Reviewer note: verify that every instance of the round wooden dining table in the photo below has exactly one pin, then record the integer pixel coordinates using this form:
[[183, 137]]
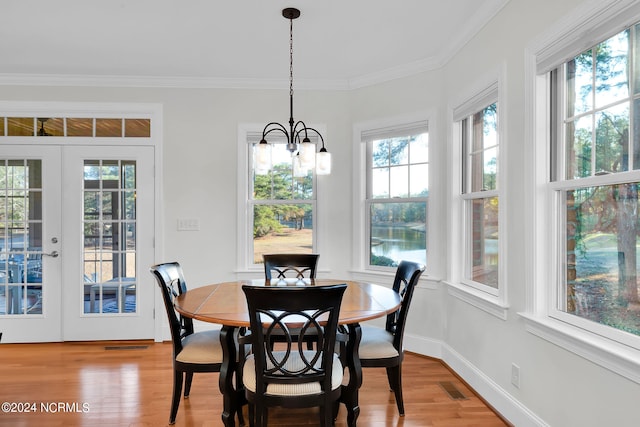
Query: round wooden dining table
[[225, 304]]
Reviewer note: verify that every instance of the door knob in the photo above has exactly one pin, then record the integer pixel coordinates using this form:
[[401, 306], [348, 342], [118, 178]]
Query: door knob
[[53, 254]]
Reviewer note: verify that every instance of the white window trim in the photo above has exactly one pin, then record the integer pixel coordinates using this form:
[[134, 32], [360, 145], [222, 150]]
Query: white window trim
[[245, 268], [360, 217], [486, 90], [598, 20]]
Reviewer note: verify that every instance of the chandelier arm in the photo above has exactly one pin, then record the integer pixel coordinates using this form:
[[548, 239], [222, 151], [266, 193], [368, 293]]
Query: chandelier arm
[[277, 127], [297, 131], [306, 130], [317, 133]]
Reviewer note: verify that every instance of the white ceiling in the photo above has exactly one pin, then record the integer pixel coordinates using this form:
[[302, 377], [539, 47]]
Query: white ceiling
[[232, 43]]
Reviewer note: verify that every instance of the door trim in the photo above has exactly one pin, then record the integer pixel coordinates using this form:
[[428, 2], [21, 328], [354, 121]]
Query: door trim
[[154, 111]]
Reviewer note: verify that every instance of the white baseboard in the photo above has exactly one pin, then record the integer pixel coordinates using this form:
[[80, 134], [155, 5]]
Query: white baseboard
[[503, 402], [508, 406]]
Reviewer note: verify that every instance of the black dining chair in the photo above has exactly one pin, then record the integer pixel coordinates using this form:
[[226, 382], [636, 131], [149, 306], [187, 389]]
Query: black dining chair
[[382, 348], [292, 376], [279, 267], [298, 266], [192, 351]]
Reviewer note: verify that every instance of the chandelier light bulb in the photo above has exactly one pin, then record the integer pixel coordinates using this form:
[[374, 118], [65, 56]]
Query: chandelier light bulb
[[323, 162], [307, 154], [299, 171], [263, 158]]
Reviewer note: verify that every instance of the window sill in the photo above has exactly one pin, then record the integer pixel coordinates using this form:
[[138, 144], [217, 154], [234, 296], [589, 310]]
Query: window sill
[[248, 274], [479, 299], [386, 277], [609, 354]]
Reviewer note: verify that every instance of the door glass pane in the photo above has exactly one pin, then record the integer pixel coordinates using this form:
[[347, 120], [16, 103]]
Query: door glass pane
[[20, 126], [109, 237], [48, 126], [79, 127], [21, 280], [108, 127], [136, 128]]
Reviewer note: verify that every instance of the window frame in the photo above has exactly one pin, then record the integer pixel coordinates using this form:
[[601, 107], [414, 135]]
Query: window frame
[[543, 207], [488, 89], [368, 136], [248, 134], [468, 196], [361, 224], [559, 184]]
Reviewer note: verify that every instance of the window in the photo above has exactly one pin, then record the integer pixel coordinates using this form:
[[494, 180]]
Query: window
[[595, 181], [479, 136], [478, 257], [75, 127], [582, 126], [397, 193], [281, 205]]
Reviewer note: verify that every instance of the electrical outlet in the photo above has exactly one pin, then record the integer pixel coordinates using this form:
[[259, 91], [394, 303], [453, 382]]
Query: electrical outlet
[[515, 375]]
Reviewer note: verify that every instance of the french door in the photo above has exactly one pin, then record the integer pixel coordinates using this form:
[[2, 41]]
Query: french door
[[74, 252]]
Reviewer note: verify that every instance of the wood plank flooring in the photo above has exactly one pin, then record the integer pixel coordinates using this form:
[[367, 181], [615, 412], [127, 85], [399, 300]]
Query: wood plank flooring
[[128, 384]]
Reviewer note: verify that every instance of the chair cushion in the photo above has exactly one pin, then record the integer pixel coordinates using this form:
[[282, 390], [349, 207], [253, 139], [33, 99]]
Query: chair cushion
[[201, 347], [376, 343], [294, 362]]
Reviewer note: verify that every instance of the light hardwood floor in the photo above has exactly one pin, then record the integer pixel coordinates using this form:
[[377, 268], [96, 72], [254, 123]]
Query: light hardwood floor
[[129, 384]]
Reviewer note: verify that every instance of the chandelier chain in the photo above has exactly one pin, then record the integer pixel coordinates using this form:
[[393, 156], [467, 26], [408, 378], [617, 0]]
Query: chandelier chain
[[291, 57]]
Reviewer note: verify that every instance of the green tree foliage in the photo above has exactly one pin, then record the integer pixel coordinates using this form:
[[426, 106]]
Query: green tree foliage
[[398, 212], [264, 221], [609, 209], [279, 184]]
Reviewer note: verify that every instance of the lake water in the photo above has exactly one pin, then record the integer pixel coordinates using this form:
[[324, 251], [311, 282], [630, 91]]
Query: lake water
[[399, 243]]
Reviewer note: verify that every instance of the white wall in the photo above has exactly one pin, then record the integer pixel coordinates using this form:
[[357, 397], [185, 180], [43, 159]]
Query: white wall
[[560, 388], [557, 388]]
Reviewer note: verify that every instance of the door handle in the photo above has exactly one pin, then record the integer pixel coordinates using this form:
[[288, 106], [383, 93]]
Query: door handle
[[53, 254]]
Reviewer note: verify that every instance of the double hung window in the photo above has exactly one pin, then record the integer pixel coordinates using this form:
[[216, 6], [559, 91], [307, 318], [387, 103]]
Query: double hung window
[[281, 205], [595, 180], [397, 194], [479, 136], [476, 256]]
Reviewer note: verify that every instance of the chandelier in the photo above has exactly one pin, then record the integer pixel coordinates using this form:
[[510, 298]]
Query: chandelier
[[303, 151]]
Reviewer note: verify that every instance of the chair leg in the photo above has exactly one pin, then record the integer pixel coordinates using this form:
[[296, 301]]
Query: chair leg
[[187, 384], [394, 375], [336, 409], [326, 415], [177, 390], [252, 415], [259, 416], [239, 403]]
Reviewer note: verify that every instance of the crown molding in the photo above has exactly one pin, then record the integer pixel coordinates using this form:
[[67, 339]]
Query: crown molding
[[78, 80], [356, 82]]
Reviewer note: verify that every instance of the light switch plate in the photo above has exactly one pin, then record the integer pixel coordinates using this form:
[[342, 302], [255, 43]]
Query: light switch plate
[[188, 224]]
